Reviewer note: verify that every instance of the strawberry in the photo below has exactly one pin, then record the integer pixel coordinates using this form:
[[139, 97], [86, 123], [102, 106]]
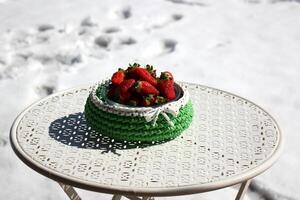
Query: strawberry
[[134, 101], [166, 76], [117, 96], [122, 97], [160, 100], [166, 86], [111, 92], [148, 100], [118, 77], [126, 85], [143, 87], [144, 75], [130, 70], [151, 70]]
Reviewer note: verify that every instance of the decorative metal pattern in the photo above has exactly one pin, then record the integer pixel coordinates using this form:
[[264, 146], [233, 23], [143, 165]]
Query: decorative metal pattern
[[229, 137]]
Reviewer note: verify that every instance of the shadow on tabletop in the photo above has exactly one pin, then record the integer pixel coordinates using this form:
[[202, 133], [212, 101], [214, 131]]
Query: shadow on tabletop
[[72, 130]]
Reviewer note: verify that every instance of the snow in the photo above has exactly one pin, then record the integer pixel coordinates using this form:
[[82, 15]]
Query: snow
[[248, 47]]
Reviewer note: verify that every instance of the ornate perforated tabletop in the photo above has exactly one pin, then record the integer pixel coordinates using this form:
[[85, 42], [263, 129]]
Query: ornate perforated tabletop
[[230, 141]]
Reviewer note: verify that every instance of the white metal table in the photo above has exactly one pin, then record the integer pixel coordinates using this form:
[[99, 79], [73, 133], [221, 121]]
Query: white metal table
[[230, 141]]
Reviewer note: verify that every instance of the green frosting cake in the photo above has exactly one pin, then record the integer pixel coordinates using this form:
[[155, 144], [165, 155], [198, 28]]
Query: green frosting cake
[[144, 124]]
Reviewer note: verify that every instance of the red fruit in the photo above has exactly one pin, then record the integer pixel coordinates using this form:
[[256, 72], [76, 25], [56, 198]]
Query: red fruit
[[151, 70], [148, 100], [111, 92], [118, 77], [166, 88], [143, 87], [130, 70], [160, 100], [124, 97], [144, 75], [121, 97], [134, 101], [126, 85], [166, 85], [166, 76]]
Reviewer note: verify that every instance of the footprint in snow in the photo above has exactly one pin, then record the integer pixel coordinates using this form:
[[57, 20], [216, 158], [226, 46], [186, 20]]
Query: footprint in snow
[[45, 90], [164, 23], [69, 58], [177, 17], [103, 41], [125, 12], [112, 30], [3, 142], [88, 21], [268, 193], [128, 41], [45, 27], [156, 48], [169, 45], [187, 2]]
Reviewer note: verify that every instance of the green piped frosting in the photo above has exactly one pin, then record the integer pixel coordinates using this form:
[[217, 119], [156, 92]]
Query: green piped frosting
[[137, 128]]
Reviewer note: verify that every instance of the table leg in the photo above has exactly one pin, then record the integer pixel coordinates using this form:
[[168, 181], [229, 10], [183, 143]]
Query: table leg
[[72, 194], [147, 198], [116, 197], [132, 197], [70, 191], [242, 191], [139, 198]]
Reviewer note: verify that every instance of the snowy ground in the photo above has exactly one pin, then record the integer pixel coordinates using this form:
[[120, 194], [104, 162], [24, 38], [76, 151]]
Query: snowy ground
[[248, 47]]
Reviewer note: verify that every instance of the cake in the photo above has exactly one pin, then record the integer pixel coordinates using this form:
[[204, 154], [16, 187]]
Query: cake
[[149, 110]]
